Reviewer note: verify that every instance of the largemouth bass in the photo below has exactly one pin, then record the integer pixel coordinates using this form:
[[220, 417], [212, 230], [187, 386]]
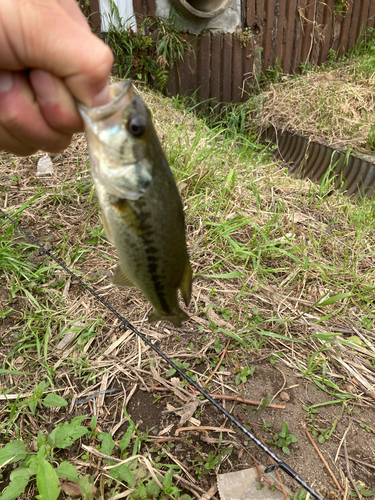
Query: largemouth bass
[[141, 206]]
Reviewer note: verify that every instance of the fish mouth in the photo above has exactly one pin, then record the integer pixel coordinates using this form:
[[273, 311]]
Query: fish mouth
[[120, 167], [117, 91]]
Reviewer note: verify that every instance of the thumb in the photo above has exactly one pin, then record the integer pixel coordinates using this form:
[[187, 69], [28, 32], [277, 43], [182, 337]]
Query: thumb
[[41, 34]]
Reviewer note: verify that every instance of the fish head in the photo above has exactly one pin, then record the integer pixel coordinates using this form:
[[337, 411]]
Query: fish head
[[118, 134]]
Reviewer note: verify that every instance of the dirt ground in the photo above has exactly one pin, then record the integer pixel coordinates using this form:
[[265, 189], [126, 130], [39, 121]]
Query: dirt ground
[[113, 359]]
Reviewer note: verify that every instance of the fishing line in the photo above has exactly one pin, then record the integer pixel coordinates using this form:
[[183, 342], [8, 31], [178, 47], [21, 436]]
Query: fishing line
[[126, 325]]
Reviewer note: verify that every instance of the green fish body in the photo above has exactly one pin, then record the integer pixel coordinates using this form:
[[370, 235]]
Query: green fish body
[[141, 206]]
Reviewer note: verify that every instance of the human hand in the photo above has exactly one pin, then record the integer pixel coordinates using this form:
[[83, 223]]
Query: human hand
[[48, 57]]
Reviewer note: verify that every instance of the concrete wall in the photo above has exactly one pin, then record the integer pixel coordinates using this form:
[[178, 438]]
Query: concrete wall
[[226, 22]]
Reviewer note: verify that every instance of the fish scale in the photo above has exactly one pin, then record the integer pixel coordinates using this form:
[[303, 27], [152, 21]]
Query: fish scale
[[141, 206]]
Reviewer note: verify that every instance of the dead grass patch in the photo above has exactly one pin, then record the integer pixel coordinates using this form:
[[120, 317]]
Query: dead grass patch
[[334, 107]]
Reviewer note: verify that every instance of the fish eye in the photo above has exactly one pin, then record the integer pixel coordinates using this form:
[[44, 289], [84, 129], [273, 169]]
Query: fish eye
[[137, 126]]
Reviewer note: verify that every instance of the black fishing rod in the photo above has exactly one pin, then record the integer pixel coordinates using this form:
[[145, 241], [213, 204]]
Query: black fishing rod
[[279, 464]]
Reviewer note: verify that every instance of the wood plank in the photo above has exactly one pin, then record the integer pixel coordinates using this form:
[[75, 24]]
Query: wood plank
[[337, 26], [308, 29], [151, 8], [250, 13], [345, 27], [328, 25], [260, 21], [203, 75], [354, 24], [247, 65], [237, 72], [95, 18], [190, 60], [291, 19], [317, 33], [299, 36], [215, 83], [173, 86], [226, 73], [280, 26], [183, 72], [371, 14], [138, 9], [268, 34], [363, 17]]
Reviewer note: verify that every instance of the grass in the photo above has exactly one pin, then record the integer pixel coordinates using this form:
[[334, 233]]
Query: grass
[[283, 269]]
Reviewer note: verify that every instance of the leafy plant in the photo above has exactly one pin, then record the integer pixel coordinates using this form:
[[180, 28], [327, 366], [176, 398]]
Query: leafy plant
[[183, 366], [53, 475], [323, 434], [300, 494], [39, 464], [341, 6], [241, 377], [311, 412], [312, 365], [148, 53], [211, 462], [370, 143], [283, 439], [362, 490]]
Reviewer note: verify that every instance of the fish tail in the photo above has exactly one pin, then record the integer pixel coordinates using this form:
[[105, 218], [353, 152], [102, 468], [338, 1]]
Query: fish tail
[[176, 318]]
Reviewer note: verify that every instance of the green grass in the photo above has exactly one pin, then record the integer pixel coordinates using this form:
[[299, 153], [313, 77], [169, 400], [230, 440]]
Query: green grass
[[284, 267]]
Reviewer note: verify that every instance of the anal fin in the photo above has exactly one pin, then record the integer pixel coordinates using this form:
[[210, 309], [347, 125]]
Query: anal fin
[[120, 278]]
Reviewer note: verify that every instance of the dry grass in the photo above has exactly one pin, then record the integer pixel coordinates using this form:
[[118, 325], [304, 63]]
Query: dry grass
[[335, 107], [282, 271]]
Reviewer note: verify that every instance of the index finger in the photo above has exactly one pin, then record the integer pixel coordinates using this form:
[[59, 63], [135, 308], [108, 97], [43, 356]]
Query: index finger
[[42, 35]]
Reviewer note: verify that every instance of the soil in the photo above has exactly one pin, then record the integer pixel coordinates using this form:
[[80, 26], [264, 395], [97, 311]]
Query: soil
[[129, 363]]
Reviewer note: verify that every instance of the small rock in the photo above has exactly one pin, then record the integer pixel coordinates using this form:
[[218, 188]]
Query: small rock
[[44, 166], [34, 445], [351, 389], [284, 396]]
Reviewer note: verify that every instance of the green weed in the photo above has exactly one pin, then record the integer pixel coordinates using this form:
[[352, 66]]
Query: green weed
[[283, 439], [137, 55]]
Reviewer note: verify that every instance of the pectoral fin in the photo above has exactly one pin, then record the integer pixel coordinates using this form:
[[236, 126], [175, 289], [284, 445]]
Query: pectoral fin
[[129, 216], [120, 278], [185, 286], [107, 228]]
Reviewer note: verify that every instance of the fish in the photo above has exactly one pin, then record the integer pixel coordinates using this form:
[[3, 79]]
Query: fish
[[140, 204]]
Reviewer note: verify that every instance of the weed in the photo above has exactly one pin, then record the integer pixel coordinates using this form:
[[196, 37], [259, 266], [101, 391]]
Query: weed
[[137, 55], [243, 374], [362, 490], [323, 434], [341, 7], [184, 367], [300, 494], [211, 462], [370, 143], [53, 475], [283, 439], [39, 464], [311, 413]]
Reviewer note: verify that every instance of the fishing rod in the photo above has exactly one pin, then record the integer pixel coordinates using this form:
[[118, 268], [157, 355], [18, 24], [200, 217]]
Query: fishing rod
[[126, 325]]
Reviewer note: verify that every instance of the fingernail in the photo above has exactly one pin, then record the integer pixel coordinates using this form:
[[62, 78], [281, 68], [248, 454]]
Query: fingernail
[[44, 87], [6, 81], [102, 98]]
